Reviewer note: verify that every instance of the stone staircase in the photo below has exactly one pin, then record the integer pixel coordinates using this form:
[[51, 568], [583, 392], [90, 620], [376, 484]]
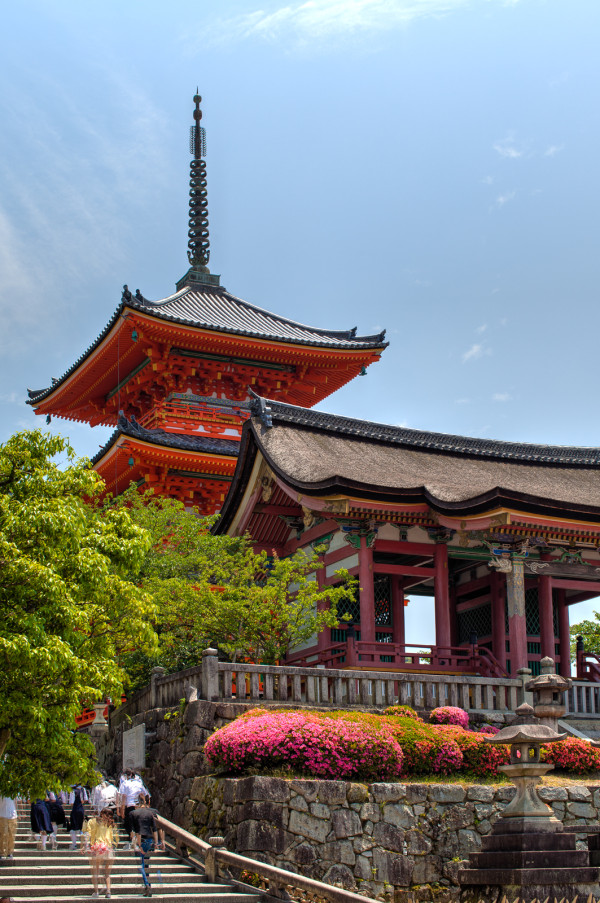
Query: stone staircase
[[64, 875]]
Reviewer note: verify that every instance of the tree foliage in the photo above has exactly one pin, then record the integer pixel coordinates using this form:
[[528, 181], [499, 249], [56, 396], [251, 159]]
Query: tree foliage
[[69, 610], [590, 632], [216, 591]]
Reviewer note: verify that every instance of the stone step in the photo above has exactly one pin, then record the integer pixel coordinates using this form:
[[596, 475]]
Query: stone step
[[561, 840], [134, 875], [60, 871], [529, 859], [524, 877], [158, 895], [83, 890]]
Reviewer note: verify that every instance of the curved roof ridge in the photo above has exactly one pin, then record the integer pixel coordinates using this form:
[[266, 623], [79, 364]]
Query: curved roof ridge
[[347, 334], [444, 443], [181, 441]]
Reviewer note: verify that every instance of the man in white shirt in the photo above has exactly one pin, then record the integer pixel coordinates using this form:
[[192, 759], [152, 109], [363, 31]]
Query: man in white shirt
[[129, 791], [8, 827], [104, 796]]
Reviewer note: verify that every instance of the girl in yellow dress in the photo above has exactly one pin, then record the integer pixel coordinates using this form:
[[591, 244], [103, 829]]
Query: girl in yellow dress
[[100, 838]]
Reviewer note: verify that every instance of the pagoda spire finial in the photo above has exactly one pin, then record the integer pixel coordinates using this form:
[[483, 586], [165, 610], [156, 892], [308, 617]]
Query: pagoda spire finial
[[198, 244]]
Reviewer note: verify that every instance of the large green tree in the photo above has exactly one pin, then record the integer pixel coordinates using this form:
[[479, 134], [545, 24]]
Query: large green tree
[[69, 611], [215, 590], [590, 633]]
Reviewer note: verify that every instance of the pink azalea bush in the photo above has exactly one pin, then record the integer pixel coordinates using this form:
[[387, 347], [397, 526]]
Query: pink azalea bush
[[402, 711], [449, 714], [438, 755], [303, 742], [572, 755]]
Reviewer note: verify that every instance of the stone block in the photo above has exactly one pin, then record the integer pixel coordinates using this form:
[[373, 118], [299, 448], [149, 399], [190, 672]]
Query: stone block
[[320, 811], [484, 827], [579, 794], [451, 869], [456, 817], [298, 803], [427, 870], [388, 837], [362, 844], [392, 868], [200, 712], [581, 810], [399, 815], [262, 788], [340, 875], [480, 793], [370, 812], [195, 739], [362, 869], [469, 841], [345, 823], [447, 793], [383, 792], [549, 794], [505, 794], [306, 789], [357, 793], [416, 793], [304, 854], [262, 810], [257, 836], [332, 792], [191, 765], [417, 844], [304, 825]]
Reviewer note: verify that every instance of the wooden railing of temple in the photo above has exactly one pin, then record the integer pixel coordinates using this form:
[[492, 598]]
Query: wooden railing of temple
[[471, 659], [588, 663], [217, 681]]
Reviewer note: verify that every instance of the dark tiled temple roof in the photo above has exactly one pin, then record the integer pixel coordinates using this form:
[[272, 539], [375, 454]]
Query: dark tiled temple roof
[[206, 444], [213, 307], [323, 455], [444, 443]]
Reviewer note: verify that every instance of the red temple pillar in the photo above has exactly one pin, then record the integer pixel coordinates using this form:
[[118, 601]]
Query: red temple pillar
[[517, 623], [442, 595], [367, 596], [546, 616], [398, 631], [498, 618], [564, 633]]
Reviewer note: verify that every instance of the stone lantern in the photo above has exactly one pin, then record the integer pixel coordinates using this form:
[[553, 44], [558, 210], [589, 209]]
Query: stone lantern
[[527, 854], [549, 691], [526, 811]]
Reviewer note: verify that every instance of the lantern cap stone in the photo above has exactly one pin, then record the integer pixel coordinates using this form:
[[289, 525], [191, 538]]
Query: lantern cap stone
[[548, 679], [526, 728]]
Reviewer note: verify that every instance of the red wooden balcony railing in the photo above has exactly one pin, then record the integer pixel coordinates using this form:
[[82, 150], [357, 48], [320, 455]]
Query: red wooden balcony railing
[[471, 659]]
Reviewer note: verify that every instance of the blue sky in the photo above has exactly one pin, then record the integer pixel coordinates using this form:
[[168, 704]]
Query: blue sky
[[427, 166]]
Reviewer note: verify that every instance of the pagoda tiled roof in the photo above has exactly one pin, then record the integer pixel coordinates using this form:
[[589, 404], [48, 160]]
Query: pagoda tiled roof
[[213, 307], [180, 441], [320, 454]]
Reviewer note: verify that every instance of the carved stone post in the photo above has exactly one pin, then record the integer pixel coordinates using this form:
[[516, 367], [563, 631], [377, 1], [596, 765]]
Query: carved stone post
[[210, 675], [155, 674], [211, 866]]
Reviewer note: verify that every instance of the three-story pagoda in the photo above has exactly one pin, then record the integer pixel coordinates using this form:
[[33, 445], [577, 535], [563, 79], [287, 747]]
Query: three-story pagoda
[[176, 377]]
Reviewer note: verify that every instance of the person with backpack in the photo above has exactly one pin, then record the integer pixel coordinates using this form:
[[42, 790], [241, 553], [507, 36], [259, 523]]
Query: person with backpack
[[77, 815], [145, 837]]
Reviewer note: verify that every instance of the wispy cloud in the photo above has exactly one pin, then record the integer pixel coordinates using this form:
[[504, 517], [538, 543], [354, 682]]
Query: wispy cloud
[[509, 147], [315, 20], [462, 401], [553, 150], [503, 199], [501, 396], [481, 329], [476, 351]]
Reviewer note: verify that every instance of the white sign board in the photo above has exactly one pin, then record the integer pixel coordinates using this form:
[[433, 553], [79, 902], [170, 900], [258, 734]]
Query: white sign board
[[134, 748]]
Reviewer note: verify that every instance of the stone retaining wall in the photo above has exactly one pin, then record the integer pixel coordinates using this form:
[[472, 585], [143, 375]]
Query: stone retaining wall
[[391, 841], [394, 841]]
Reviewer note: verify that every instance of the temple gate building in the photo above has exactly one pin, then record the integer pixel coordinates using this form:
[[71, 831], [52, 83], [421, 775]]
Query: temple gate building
[[504, 536]]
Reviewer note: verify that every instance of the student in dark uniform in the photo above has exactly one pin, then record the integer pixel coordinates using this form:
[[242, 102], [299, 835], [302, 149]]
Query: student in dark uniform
[[41, 825], [77, 816], [145, 837]]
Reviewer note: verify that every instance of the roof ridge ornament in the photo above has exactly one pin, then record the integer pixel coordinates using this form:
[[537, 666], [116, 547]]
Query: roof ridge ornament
[[198, 235], [199, 243]]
